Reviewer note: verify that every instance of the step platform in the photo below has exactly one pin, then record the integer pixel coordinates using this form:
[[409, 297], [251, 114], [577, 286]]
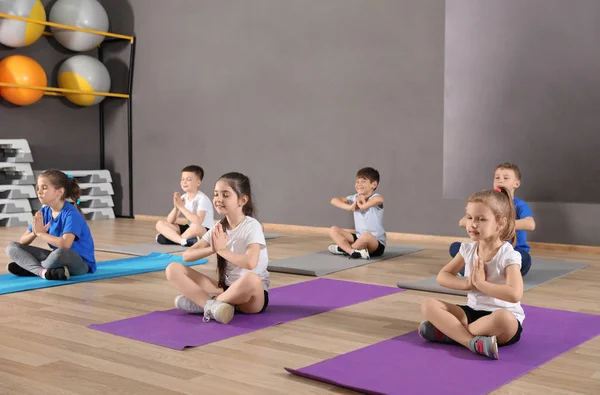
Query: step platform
[[17, 192], [15, 151], [16, 219], [87, 176], [10, 206], [16, 174]]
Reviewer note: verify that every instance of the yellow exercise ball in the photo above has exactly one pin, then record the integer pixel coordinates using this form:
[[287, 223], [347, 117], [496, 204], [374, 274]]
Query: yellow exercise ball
[[15, 33], [84, 73]]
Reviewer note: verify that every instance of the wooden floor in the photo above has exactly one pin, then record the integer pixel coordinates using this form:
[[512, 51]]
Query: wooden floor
[[46, 347]]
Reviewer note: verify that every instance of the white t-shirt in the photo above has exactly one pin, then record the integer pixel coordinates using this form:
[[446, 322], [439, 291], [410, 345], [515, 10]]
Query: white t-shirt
[[249, 231], [201, 202], [369, 220], [494, 273]]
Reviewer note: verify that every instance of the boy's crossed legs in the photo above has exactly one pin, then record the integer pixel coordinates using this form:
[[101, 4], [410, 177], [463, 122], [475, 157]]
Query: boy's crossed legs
[[348, 243], [178, 234]]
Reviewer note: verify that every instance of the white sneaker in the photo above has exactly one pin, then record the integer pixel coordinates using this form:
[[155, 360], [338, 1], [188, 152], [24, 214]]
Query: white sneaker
[[184, 304], [219, 311], [364, 254], [335, 250]]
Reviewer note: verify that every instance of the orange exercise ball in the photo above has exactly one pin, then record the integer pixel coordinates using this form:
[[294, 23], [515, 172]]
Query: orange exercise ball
[[22, 70]]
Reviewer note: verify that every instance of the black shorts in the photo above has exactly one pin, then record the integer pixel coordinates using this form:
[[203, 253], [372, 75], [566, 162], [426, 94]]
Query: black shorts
[[378, 251], [183, 228], [265, 304], [473, 315]]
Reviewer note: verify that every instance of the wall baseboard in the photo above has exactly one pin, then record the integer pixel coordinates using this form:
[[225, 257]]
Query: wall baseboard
[[405, 237]]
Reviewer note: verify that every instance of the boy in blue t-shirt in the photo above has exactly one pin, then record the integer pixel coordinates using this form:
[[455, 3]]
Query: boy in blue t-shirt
[[508, 176], [62, 225]]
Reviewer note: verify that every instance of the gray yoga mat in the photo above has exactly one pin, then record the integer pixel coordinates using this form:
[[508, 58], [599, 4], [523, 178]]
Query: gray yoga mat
[[146, 248], [323, 262], [143, 249], [541, 272]]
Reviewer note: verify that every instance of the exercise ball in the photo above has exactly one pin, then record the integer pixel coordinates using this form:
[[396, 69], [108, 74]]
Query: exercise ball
[[84, 73], [88, 14], [22, 70], [16, 34]]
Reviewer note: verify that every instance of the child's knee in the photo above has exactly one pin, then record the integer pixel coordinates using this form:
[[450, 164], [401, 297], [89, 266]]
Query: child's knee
[[174, 270], [504, 317], [334, 230], [251, 280], [11, 248], [428, 305]]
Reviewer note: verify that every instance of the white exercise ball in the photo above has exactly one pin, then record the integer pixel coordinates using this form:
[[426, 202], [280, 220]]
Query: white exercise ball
[[15, 33], [84, 73], [88, 14]]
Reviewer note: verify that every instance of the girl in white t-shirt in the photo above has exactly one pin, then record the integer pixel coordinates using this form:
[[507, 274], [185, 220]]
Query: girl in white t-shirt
[[493, 316], [239, 243]]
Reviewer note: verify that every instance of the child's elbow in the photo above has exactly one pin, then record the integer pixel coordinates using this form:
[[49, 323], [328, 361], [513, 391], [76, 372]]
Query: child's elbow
[[515, 297], [532, 224], [332, 201]]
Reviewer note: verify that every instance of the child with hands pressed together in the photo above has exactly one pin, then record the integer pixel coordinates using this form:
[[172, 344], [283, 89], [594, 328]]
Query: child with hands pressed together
[[59, 223], [367, 206], [493, 316], [239, 243]]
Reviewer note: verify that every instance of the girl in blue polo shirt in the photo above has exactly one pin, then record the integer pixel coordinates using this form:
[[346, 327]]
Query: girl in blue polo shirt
[[62, 225]]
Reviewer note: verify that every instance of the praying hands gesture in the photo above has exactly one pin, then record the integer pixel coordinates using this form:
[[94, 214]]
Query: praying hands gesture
[[178, 201], [360, 201], [219, 238], [478, 273], [38, 224]]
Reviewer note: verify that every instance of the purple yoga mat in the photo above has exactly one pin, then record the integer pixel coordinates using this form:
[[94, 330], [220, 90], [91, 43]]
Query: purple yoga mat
[[408, 364], [175, 329]]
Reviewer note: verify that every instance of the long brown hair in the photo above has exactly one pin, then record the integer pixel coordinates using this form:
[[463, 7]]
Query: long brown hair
[[501, 204], [241, 187], [58, 179]]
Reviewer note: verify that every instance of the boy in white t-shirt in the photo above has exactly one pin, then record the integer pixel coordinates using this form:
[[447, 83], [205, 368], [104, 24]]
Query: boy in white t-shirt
[[194, 205], [370, 238]]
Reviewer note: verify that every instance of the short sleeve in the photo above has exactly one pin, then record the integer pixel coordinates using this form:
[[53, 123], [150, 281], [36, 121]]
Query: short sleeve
[[510, 258], [255, 235], [72, 224], [204, 204], [467, 251], [351, 198], [207, 237], [523, 210]]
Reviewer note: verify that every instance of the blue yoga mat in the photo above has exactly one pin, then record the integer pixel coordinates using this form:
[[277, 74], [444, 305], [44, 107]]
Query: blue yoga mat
[[108, 269]]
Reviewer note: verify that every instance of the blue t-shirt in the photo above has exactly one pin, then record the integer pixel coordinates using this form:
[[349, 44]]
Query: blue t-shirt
[[523, 211], [70, 220]]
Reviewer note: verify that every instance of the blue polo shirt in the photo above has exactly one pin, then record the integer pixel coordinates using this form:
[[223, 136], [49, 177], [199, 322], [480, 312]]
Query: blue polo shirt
[[70, 220]]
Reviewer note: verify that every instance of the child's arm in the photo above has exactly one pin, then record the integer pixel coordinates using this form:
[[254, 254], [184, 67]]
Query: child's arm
[[27, 238], [447, 276], [199, 250], [511, 292], [247, 261], [195, 218], [172, 217], [343, 203], [65, 241], [525, 224], [373, 201]]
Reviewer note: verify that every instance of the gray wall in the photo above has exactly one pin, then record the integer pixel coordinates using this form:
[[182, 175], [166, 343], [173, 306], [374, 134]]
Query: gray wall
[[61, 135], [523, 84], [299, 95]]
